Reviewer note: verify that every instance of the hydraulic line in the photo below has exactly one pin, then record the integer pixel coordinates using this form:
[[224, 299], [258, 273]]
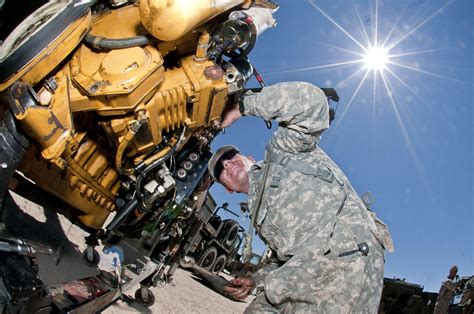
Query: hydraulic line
[[104, 43], [123, 145]]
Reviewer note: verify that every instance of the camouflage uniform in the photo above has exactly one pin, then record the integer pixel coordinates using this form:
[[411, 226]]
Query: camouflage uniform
[[310, 215], [445, 296]]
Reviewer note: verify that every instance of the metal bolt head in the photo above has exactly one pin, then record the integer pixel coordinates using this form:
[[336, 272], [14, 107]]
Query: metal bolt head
[[94, 88], [4, 165], [187, 165], [50, 84]]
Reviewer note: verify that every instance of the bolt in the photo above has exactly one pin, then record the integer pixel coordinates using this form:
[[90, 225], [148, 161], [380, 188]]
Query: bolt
[[193, 157], [187, 165], [50, 84], [4, 165], [94, 88]]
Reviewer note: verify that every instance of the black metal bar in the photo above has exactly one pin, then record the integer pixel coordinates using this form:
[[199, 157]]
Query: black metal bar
[[11, 152], [122, 214]]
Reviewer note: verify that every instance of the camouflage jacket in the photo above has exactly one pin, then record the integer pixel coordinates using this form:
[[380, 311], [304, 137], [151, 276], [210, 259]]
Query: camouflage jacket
[[306, 198]]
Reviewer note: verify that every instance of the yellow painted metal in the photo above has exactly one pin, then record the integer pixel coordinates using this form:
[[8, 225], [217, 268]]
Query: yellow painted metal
[[203, 44], [171, 19], [119, 23], [79, 191], [43, 125], [49, 58], [114, 72], [120, 87]]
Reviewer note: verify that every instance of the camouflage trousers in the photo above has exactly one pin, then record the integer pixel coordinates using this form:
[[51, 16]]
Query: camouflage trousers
[[314, 282]]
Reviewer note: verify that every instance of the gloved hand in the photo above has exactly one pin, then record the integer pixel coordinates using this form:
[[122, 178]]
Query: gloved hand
[[240, 287]]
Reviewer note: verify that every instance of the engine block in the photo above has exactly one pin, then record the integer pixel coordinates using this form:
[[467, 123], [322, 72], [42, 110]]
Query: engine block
[[113, 89]]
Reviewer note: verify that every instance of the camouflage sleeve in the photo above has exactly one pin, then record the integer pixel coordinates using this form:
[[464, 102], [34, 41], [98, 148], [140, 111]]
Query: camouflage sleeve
[[300, 108], [259, 276]]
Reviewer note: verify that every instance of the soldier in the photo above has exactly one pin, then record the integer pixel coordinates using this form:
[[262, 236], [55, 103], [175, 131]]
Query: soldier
[[328, 246], [446, 292]]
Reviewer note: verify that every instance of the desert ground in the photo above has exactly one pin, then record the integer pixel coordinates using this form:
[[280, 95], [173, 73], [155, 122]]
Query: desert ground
[[39, 220]]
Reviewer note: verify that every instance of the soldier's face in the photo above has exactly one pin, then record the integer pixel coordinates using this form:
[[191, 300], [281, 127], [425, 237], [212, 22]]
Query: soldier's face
[[235, 173]]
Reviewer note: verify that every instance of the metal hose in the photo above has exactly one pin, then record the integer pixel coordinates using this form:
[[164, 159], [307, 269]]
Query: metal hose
[[123, 145]]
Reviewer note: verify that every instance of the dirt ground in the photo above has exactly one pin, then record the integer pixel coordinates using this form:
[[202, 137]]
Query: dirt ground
[[187, 295], [33, 219]]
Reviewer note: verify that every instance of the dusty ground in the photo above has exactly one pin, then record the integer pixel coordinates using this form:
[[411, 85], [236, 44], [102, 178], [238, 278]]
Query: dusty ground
[[38, 223], [186, 296]]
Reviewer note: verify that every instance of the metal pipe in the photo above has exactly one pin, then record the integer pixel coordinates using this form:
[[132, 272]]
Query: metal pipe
[[122, 214], [123, 145]]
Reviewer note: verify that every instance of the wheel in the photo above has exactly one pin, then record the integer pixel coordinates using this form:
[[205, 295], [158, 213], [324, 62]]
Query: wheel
[[91, 258], [219, 264], [139, 298], [207, 258], [229, 232]]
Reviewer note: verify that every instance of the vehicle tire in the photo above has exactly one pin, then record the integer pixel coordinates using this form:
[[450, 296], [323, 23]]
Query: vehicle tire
[[219, 264], [229, 232], [208, 258], [139, 299]]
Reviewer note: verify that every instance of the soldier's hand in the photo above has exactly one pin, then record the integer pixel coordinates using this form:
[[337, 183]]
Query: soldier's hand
[[240, 287], [230, 115]]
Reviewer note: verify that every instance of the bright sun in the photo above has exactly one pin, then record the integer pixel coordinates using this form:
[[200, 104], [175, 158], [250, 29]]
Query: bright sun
[[376, 58]]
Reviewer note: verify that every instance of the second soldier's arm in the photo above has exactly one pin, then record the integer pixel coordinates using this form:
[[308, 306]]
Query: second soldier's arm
[[300, 108]]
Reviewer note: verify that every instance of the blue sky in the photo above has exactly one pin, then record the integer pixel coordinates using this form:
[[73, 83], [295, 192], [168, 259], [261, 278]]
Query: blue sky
[[411, 147]]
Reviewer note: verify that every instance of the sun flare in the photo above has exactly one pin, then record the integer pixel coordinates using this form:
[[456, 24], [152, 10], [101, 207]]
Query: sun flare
[[376, 58]]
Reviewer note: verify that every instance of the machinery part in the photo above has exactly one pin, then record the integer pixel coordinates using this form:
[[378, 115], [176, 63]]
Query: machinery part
[[103, 43], [145, 168], [122, 214], [26, 108], [240, 26], [193, 157], [109, 120], [237, 33], [22, 291], [40, 42], [91, 257], [23, 248], [207, 258], [181, 174], [189, 180], [158, 189], [144, 296], [237, 73], [237, 36], [229, 232], [170, 20], [219, 264], [12, 148], [134, 128]]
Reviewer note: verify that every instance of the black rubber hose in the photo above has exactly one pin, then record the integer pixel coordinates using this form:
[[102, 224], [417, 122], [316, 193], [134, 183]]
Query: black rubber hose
[[104, 43]]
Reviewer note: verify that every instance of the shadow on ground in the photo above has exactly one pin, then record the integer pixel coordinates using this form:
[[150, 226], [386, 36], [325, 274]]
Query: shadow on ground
[[43, 226]]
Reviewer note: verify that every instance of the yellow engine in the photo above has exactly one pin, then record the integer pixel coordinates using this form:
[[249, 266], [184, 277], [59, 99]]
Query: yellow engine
[[120, 105]]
